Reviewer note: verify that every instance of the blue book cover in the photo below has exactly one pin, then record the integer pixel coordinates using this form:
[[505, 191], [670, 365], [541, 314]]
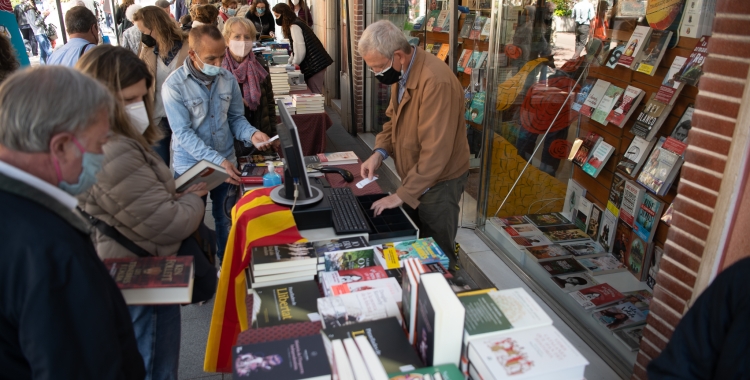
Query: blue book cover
[[648, 218]]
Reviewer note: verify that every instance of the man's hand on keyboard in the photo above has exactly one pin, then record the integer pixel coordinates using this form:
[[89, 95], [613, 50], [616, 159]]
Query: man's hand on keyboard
[[391, 201]]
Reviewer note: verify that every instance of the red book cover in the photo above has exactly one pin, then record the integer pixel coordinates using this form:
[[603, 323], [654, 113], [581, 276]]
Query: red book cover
[[675, 146], [366, 273], [596, 296], [150, 272]]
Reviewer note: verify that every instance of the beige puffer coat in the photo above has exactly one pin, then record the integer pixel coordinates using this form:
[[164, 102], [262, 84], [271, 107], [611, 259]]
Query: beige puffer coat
[[135, 193]]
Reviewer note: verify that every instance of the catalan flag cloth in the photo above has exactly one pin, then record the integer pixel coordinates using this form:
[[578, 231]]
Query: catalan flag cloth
[[256, 221]]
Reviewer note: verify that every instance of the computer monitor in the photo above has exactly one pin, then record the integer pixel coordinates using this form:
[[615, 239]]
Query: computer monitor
[[295, 170]]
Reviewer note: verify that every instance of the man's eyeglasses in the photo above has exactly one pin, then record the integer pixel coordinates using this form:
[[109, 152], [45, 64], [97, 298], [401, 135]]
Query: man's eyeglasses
[[380, 73]]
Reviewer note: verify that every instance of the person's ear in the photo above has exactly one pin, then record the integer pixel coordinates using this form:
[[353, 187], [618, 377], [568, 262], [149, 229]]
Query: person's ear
[[58, 144]]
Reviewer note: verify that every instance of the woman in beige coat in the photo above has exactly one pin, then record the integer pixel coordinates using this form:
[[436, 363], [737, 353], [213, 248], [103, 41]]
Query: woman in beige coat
[[135, 193]]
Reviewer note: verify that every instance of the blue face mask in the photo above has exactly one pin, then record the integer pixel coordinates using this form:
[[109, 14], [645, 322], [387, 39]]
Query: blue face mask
[[209, 70], [231, 12], [260, 10], [92, 164]]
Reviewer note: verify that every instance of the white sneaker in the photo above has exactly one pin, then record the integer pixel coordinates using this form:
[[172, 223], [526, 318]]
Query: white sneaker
[[218, 273]]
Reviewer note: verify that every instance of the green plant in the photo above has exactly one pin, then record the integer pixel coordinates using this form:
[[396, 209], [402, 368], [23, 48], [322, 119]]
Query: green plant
[[564, 7]]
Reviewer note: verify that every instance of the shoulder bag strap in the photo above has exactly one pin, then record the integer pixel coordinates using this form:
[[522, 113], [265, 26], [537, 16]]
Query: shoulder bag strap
[[80, 54], [116, 235]]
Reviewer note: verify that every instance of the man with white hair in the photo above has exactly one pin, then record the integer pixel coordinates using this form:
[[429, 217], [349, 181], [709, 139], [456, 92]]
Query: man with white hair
[[426, 133], [61, 314]]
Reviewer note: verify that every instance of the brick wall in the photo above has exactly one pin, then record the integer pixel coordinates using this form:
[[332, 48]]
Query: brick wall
[[714, 122]]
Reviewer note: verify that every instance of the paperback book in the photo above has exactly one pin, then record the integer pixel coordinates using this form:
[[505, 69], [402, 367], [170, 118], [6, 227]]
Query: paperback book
[[625, 107], [323, 246], [547, 252], [293, 359], [391, 255], [530, 241], [615, 55], [638, 257], [595, 96], [563, 233], [596, 296], [648, 217], [634, 48], [636, 154], [623, 237], [607, 230], [620, 316], [608, 102], [693, 69], [651, 118], [654, 52], [632, 198], [329, 279], [583, 249], [438, 313], [562, 266], [349, 259], [680, 131], [573, 282], [653, 268], [588, 145], [595, 163], [615, 193], [594, 221], [573, 195], [520, 309], [351, 308], [671, 86], [660, 169], [602, 265], [285, 304], [586, 87], [583, 213], [554, 218], [630, 337]]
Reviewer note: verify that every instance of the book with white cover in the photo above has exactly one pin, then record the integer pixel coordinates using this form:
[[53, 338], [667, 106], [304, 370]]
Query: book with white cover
[[634, 47], [357, 307], [520, 309], [632, 197], [355, 359], [341, 366], [389, 283], [202, 172], [439, 313], [636, 155], [374, 366], [572, 195], [595, 96], [539, 354]]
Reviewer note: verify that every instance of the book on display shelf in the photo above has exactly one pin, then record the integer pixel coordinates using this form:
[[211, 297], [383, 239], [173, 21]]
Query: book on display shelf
[[361, 372], [623, 237], [632, 198], [443, 372], [615, 194], [428, 48], [580, 98], [636, 154], [635, 46], [153, 280], [572, 282], [630, 337], [653, 269], [426, 250], [607, 104], [486, 29], [330, 245], [520, 308], [670, 85], [431, 20], [547, 252], [596, 296], [522, 230], [351, 308], [482, 61], [443, 51], [349, 259], [638, 257], [276, 259], [563, 233], [680, 131], [285, 304], [339, 360], [654, 52], [614, 55], [302, 358], [666, 217], [619, 316], [562, 266], [530, 241], [441, 21], [589, 144], [409, 287], [438, 313], [374, 367], [541, 353], [598, 158], [386, 336], [607, 230], [468, 23], [660, 169], [697, 19], [639, 298], [625, 106], [337, 158], [201, 172], [476, 29], [437, 48], [476, 112], [691, 72], [651, 118], [555, 218], [391, 284], [514, 220], [473, 59], [329, 279], [594, 221], [602, 265], [583, 213], [595, 96], [584, 248], [573, 194]]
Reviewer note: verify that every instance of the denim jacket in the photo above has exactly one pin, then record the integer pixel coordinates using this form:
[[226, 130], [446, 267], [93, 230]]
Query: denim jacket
[[204, 122]]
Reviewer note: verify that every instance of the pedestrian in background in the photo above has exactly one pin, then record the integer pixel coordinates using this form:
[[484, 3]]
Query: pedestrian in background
[[583, 14]]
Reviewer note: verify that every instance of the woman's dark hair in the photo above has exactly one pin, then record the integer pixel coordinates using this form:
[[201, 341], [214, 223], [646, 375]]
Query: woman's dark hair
[[302, 6], [8, 61], [287, 18], [256, 2], [118, 68]]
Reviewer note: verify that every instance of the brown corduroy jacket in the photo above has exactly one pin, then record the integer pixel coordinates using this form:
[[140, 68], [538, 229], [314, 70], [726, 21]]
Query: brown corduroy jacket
[[426, 133]]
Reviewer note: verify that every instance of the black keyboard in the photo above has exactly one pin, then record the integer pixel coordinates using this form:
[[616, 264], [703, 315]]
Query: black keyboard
[[347, 213]]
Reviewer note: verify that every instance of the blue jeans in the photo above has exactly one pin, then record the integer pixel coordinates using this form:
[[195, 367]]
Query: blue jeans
[[45, 48], [219, 195], [157, 332], [162, 146]]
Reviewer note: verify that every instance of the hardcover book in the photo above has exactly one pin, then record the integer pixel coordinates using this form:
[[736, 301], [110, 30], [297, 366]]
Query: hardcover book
[[615, 194], [636, 154], [654, 52], [595, 96], [607, 230], [302, 358], [562, 266], [596, 296], [153, 280], [625, 106], [598, 159], [285, 304], [202, 172], [547, 252], [594, 221], [632, 198], [634, 47], [610, 99], [693, 69], [572, 282], [387, 339], [602, 265], [351, 308], [620, 316], [648, 218]]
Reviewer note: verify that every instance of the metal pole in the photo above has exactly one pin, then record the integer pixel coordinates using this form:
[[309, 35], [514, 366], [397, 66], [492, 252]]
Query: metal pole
[[114, 22], [453, 35], [62, 22]]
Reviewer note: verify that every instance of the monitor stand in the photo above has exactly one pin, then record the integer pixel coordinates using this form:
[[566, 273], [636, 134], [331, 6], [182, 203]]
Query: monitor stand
[[276, 196]]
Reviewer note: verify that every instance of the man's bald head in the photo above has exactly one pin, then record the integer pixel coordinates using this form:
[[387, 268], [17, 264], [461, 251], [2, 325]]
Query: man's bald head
[[207, 45]]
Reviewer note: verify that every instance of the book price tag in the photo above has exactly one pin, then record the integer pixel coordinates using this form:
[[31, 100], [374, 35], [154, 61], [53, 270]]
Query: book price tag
[[391, 258]]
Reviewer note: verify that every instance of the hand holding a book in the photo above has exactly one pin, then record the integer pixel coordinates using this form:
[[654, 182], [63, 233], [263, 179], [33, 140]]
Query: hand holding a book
[[234, 173], [197, 189], [391, 201], [367, 170]]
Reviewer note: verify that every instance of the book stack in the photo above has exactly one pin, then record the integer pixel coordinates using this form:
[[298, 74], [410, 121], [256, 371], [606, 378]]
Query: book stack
[[279, 80], [288, 103], [282, 264], [297, 81], [308, 103]]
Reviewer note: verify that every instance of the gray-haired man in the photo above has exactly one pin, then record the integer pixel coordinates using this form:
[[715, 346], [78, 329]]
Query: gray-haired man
[[61, 314]]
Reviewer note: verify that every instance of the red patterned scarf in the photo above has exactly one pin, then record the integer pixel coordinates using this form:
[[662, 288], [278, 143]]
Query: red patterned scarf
[[250, 74]]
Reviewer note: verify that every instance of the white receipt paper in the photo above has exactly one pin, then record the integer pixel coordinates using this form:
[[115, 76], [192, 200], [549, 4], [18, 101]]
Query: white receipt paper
[[366, 182], [272, 139]]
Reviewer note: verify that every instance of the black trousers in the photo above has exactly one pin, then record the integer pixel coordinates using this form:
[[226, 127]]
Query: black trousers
[[28, 35]]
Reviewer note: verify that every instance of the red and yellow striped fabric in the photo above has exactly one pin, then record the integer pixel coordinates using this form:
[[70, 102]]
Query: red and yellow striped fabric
[[256, 221]]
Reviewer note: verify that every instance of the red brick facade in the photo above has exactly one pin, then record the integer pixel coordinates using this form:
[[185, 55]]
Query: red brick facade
[[714, 122]]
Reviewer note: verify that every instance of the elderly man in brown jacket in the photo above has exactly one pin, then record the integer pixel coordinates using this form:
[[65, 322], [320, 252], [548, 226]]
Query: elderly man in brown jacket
[[426, 133]]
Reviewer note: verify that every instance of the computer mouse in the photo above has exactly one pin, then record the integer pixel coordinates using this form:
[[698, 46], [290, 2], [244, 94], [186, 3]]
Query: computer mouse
[[348, 177]]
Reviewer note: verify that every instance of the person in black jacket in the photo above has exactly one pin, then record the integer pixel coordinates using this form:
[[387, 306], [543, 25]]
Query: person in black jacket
[[712, 341], [260, 15], [61, 314], [307, 51], [24, 25]]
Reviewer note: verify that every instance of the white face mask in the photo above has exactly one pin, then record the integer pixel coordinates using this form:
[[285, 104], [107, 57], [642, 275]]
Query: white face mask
[[240, 48], [138, 116], [295, 2]]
